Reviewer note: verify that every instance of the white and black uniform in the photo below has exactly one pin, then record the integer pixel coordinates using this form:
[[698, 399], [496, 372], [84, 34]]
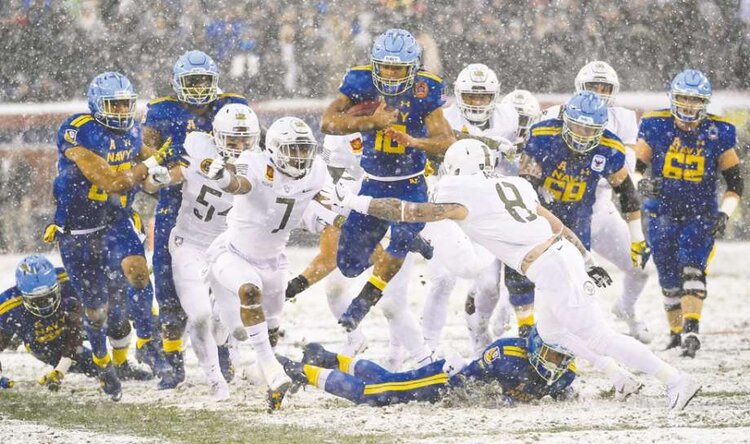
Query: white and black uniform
[[566, 306], [201, 218]]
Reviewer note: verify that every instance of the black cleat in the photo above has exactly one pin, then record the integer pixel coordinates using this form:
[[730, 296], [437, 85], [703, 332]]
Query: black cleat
[[690, 345], [422, 246], [315, 354], [128, 372], [295, 370], [524, 331], [675, 340], [110, 383], [357, 310], [275, 335], [225, 362], [176, 374], [274, 398]]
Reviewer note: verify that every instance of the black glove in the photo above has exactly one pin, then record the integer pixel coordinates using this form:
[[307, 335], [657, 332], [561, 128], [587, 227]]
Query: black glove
[[296, 286], [650, 187], [720, 225], [600, 276]]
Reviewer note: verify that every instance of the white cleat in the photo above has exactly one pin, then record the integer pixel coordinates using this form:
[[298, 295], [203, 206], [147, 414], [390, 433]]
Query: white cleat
[[479, 341], [395, 359], [630, 386], [638, 329], [219, 388], [356, 343], [276, 378], [500, 323], [682, 392]]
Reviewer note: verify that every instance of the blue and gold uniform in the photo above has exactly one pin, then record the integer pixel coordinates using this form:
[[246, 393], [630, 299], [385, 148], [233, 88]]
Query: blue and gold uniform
[[175, 119], [570, 178], [393, 170], [681, 217], [505, 362], [48, 338]]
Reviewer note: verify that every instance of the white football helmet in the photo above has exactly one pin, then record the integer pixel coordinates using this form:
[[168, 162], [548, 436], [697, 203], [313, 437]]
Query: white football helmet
[[466, 157], [476, 80], [598, 72], [236, 129], [291, 146], [527, 107]]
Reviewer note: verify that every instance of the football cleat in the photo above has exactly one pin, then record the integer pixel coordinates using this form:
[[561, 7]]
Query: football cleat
[[130, 372], [225, 362], [174, 377], [422, 246], [690, 345], [357, 310], [682, 392], [675, 340], [630, 386], [356, 343], [275, 335], [110, 383], [295, 370], [151, 355], [219, 389], [315, 354], [636, 328], [274, 399], [523, 331]]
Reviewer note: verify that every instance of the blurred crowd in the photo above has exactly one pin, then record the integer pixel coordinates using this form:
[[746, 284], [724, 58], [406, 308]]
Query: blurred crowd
[[301, 48]]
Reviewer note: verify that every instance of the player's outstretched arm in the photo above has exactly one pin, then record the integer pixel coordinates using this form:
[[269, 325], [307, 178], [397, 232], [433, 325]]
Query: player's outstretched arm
[[439, 135], [402, 211], [99, 173], [336, 121]]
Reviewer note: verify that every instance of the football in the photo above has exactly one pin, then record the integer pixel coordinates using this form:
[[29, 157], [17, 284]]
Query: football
[[363, 108]]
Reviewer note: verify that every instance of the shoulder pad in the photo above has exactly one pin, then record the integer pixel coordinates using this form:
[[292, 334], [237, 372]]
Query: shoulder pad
[[162, 99], [662, 113], [198, 145], [715, 118], [551, 127], [429, 75], [81, 120], [62, 275], [611, 141], [227, 95], [514, 350], [9, 300]]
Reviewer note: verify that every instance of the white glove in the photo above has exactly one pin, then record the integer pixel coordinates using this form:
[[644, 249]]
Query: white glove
[[340, 200], [505, 147], [217, 171], [159, 175]]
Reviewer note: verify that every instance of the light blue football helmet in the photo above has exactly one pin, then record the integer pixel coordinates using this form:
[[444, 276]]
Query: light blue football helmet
[[111, 99], [195, 78], [550, 361], [584, 119], [689, 95], [36, 279], [395, 47]]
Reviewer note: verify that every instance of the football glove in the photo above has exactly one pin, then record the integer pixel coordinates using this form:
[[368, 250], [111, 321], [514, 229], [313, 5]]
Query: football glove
[[296, 286], [599, 275], [720, 225], [50, 233], [164, 152], [52, 380], [650, 187], [159, 175], [639, 254]]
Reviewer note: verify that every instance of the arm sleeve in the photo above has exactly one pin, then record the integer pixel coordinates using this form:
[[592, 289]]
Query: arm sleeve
[[733, 177], [629, 200]]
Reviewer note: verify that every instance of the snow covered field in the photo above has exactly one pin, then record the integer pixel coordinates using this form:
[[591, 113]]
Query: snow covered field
[[720, 413]]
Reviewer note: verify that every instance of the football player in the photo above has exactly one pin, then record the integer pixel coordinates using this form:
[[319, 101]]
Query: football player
[[609, 233], [687, 148], [407, 125], [195, 81], [248, 267], [100, 164], [527, 107], [201, 218], [503, 214], [526, 369]]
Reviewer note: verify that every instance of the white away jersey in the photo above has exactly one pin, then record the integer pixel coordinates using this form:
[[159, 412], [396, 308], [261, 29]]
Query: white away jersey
[[204, 207], [502, 213], [503, 122], [261, 220], [344, 152]]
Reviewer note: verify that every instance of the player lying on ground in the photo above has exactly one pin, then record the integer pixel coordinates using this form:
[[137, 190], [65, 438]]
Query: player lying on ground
[[44, 311], [525, 369], [526, 236]]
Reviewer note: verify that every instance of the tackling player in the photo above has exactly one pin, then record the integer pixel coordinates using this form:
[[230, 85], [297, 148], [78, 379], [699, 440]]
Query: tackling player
[[97, 231], [407, 125], [687, 149], [503, 214], [195, 80]]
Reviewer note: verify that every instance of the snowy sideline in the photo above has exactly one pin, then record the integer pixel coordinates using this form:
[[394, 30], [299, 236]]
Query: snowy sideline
[[721, 413]]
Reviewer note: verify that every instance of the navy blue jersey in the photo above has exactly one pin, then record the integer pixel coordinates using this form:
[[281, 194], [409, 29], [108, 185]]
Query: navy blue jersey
[[688, 161], [506, 362], [172, 118], [43, 336], [381, 156], [570, 177], [81, 204]]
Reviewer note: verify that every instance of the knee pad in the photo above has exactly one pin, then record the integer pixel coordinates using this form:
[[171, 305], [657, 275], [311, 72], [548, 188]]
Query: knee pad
[[671, 298], [694, 282], [250, 297]]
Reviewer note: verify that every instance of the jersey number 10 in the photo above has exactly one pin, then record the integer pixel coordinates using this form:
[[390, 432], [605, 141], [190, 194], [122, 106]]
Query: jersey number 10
[[384, 143]]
